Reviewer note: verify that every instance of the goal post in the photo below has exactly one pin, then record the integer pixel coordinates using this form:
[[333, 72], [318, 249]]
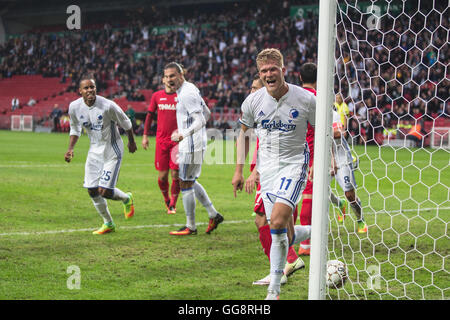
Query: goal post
[[388, 59], [322, 144]]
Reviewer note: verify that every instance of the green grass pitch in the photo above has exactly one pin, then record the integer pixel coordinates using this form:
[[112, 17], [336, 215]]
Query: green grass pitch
[[47, 218]]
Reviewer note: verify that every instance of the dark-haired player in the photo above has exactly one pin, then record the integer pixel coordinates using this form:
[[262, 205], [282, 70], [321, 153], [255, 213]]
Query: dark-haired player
[[100, 118]]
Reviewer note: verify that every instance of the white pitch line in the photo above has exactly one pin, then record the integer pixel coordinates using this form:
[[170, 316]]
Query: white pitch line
[[409, 210], [63, 165], [117, 227], [180, 225]]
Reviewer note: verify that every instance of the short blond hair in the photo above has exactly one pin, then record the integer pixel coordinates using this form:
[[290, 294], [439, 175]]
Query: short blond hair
[[270, 54]]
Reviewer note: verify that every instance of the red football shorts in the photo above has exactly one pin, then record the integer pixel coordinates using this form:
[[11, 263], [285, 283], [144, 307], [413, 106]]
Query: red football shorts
[[308, 188], [166, 155], [259, 203]]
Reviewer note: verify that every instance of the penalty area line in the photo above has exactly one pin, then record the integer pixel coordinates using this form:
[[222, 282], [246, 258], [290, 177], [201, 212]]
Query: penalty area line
[[117, 227]]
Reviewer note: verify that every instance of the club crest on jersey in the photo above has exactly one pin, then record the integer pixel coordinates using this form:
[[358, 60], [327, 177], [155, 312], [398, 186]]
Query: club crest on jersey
[[277, 125], [293, 113]]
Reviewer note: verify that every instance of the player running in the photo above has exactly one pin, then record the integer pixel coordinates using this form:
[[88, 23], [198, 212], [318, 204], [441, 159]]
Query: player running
[[100, 117], [343, 166], [281, 113], [294, 262], [191, 138], [164, 103]]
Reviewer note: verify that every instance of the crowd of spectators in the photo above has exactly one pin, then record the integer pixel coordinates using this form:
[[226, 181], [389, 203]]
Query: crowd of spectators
[[384, 74]]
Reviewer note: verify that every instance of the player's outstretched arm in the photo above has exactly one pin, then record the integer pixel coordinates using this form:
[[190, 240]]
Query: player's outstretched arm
[[145, 142], [242, 146], [147, 126], [72, 142]]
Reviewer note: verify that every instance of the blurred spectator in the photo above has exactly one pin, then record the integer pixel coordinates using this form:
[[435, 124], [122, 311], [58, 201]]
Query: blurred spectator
[[56, 116], [416, 133], [65, 123], [31, 102], [15, 104], [131, 115]]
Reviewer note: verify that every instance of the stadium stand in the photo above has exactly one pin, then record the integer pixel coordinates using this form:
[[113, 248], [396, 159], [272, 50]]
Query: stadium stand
[[217, 47]]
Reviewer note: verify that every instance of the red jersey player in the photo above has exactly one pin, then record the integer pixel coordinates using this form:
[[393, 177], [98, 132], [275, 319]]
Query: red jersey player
[[308, 75], [164, 103]]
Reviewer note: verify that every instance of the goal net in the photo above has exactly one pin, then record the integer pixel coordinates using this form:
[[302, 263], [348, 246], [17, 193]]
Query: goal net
[[390, 69]]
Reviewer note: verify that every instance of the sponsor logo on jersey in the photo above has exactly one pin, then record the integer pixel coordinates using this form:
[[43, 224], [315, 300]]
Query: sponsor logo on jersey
[[277, 125], [167, 106], [94, 127]]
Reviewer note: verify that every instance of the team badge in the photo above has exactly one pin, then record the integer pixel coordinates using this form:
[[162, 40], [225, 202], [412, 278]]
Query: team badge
[[293, 113]]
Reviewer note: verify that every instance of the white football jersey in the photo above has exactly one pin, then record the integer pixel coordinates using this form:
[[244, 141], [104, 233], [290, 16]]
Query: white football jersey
[[281, 125], [190, 101], [341, 149], [100, 122]]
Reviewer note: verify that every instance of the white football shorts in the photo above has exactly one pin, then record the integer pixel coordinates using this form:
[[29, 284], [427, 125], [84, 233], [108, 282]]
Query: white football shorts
[[345, 177], [103, 170], [283, 184], [190, 165]]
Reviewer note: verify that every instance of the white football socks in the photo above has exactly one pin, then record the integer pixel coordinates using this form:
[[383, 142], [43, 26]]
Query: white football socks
[[302, 233], [119, 195], [102, 208], [189, 207], [202, 196], [278, 255]]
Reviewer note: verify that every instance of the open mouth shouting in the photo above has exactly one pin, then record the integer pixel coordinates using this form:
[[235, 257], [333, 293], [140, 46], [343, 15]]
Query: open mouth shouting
[[271, 83]]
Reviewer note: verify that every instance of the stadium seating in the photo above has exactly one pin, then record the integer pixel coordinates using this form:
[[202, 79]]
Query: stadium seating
[[25, 86]]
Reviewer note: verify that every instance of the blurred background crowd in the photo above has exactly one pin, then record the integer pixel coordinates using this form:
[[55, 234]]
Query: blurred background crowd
[[391, 73]]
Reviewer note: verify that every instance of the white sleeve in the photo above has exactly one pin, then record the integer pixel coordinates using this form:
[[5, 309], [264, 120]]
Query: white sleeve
[[75, 126], [197, 123], [206, 111], [120, 117], [247, 117], [312, 110]]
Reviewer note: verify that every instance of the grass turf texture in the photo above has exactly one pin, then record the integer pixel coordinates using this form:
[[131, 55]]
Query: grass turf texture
[[40, 194]]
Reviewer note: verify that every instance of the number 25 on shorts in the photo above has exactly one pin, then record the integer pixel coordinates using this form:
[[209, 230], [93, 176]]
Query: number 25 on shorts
[[106, 175]]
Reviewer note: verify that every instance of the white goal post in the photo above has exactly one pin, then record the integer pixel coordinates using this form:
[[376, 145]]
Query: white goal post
[[440, 138], [388, 59], [322, 144]]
